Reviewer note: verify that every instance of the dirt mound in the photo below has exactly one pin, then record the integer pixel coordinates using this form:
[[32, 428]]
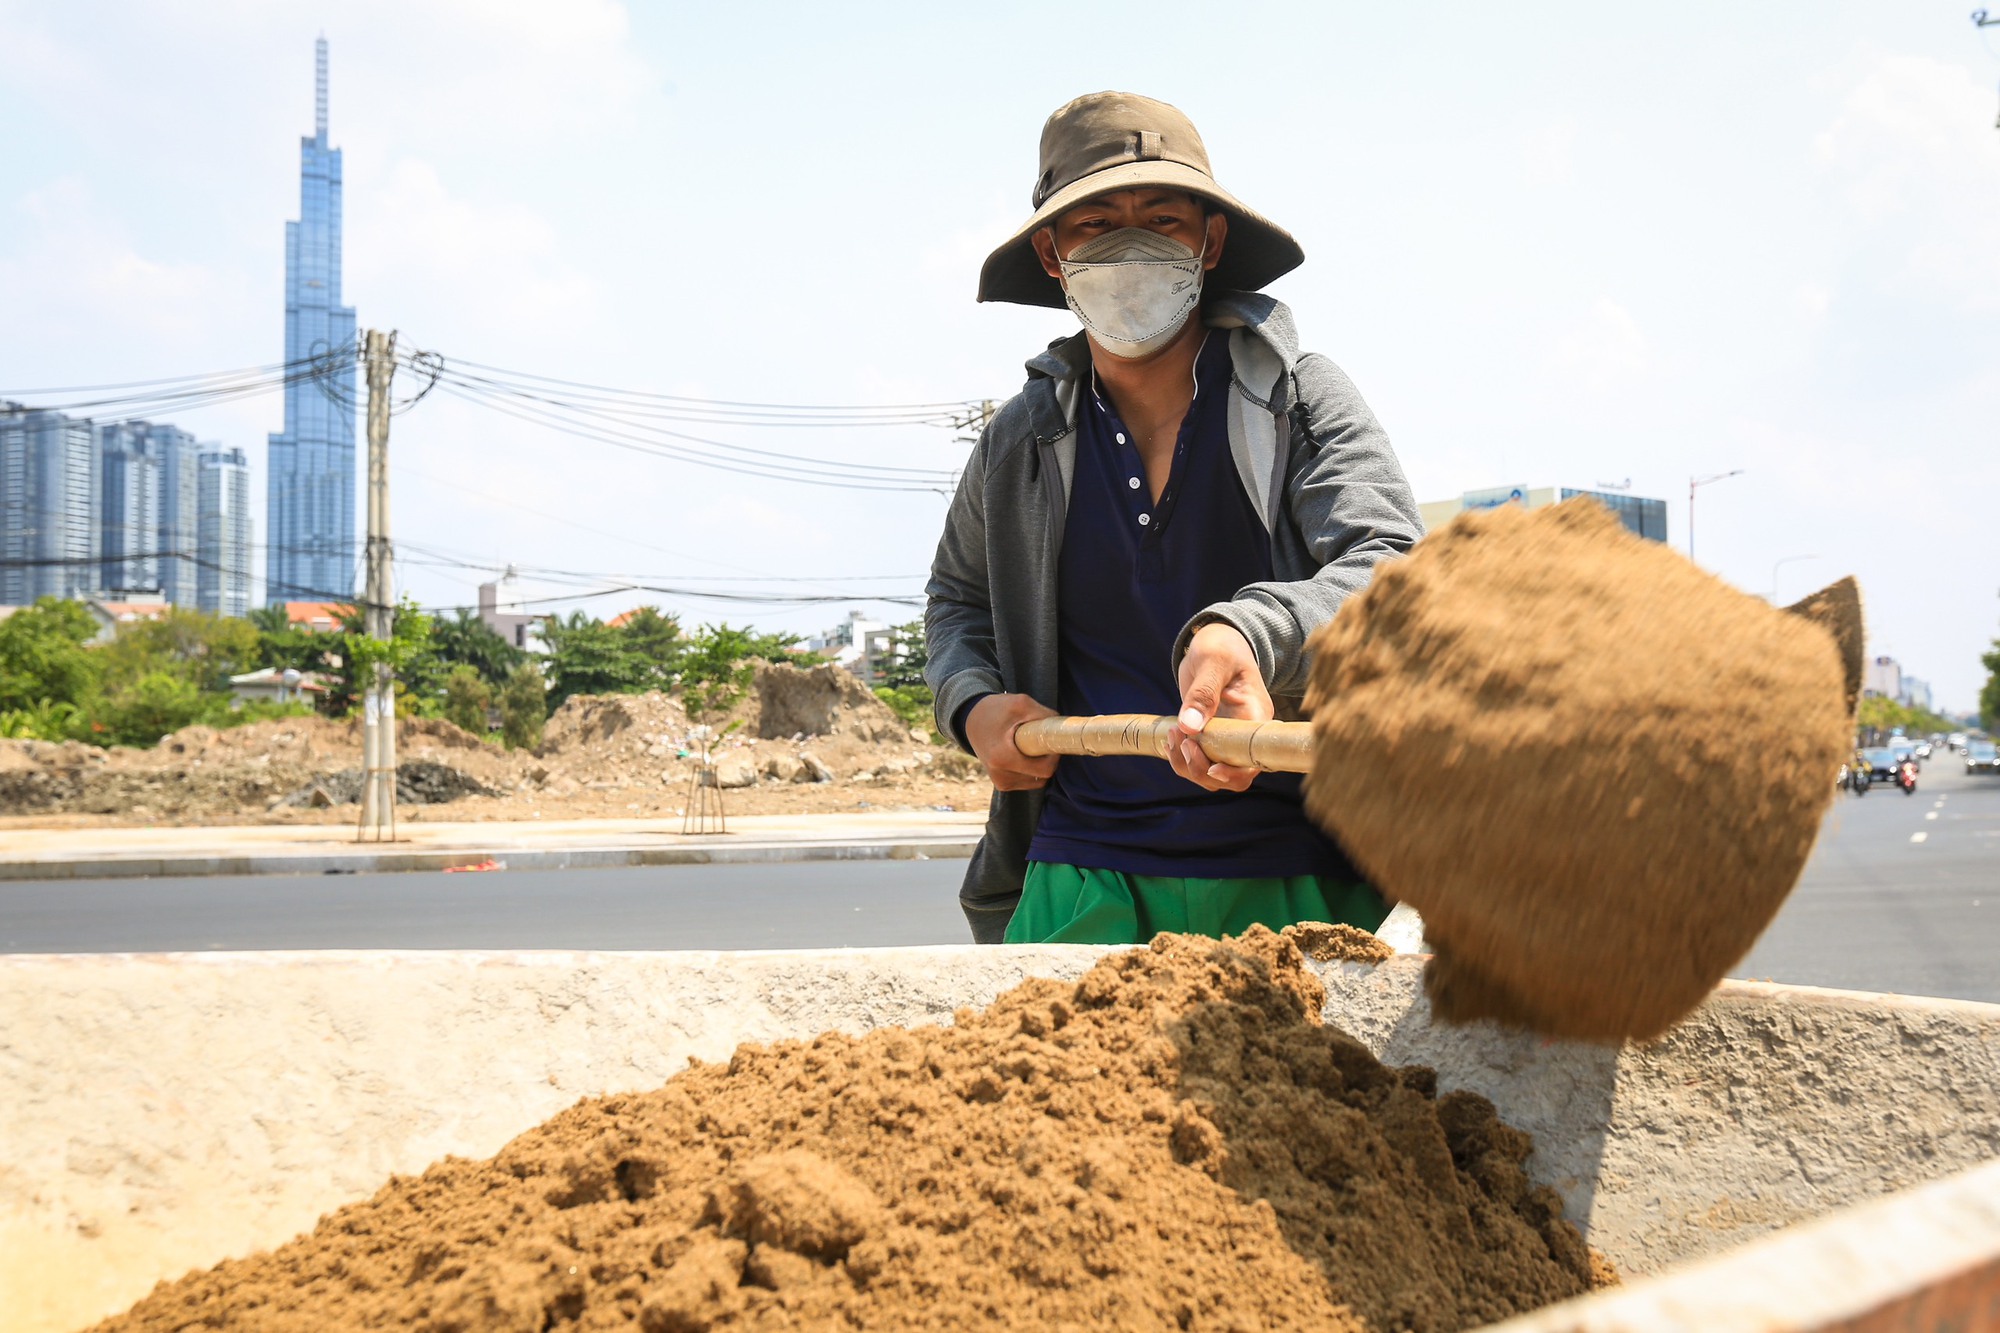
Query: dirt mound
[[608, 755], [1172, 1141], [420, 783], [1596, 770], [822, 701]]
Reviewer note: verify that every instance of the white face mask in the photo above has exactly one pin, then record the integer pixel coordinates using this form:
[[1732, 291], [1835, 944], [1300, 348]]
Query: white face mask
[[1132, 288]]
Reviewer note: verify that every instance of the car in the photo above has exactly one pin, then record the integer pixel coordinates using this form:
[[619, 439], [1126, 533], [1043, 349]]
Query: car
[[1982, 757], [1902, 749], [1923, 751], [1881, 762], [1956, 740]]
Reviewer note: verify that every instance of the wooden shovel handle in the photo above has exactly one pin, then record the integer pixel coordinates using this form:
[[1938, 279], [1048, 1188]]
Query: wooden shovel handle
[[1280, 747]]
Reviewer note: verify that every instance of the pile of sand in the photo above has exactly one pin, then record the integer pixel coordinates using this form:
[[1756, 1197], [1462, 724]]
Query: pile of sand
[[1593, 768], [1172, 1141], [802, 740]]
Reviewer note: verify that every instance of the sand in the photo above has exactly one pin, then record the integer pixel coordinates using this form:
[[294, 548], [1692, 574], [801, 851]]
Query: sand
[[1595, 770], [1172, 1141]]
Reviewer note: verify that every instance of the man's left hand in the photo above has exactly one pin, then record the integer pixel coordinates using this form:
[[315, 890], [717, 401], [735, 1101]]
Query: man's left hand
[[1219, 678]]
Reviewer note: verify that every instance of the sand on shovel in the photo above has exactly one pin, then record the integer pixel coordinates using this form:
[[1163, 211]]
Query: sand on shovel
[[1172, 1141], [1595, 770]]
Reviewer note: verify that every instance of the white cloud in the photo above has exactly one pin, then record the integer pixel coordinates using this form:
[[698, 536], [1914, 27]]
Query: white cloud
[[1604, 349], [84, 277], [449, 267], [1915, 157]]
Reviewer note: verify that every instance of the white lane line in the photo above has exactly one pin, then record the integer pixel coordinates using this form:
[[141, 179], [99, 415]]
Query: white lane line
[[1930, 814], [1918, 837]]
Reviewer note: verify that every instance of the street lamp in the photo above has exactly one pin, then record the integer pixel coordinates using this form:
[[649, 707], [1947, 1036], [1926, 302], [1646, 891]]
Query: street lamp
[[1694, 484], [1774, 572]]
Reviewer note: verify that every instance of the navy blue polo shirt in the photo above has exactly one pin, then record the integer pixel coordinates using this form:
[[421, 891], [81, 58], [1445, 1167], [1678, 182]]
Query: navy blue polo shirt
[[1133, 570]]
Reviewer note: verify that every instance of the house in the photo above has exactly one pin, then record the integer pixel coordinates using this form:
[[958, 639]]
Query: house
[[110, 615], [317, 617], [269, 683]]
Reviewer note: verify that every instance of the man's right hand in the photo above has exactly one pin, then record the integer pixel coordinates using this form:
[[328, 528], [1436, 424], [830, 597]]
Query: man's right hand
[[989, 729]]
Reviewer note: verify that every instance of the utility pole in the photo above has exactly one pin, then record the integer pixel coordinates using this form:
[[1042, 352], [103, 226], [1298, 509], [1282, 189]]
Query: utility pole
[[1694, 484], [971, 422], [378, 743]]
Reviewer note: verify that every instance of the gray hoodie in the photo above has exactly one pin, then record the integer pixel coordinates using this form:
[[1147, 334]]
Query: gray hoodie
[[1314, 462]]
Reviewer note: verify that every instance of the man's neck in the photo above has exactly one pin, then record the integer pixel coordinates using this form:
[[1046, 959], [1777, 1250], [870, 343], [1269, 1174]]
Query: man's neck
[[1148, 388]]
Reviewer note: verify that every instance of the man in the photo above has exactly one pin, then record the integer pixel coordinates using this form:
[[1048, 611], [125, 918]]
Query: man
[[1154, 524]]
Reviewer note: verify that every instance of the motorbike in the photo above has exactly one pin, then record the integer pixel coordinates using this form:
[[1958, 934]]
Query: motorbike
[[1906, 777]]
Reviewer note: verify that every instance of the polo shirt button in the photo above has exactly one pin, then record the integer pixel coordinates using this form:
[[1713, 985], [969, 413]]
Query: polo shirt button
[[1121, 439], [1144, 519], [1133, 482]]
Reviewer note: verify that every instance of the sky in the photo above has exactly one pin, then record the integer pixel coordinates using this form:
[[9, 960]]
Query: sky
[[1552, 243]]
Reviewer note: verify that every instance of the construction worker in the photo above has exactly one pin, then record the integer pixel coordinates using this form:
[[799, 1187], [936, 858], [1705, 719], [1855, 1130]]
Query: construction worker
[[1155, 523]]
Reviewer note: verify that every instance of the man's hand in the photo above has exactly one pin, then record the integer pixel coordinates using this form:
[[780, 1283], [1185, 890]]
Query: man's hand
[[989, 728], [1219, 678]]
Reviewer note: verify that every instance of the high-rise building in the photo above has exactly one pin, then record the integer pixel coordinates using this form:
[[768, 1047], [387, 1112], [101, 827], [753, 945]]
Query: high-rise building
[[223, 576], [310, 502], [179, 460], [1647, 518], [128, 489], [148, 510], [48, 505]]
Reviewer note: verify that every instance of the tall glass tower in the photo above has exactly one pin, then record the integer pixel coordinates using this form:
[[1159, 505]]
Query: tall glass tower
[[310, 503]]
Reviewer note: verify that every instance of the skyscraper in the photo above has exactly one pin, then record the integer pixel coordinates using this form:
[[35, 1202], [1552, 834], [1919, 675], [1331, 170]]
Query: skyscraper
[[310, 501], [48, 505], [223, 578], [129, 508], [179, 461]]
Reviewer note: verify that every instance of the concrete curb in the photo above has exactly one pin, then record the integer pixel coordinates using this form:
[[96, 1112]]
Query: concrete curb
[[560, 858]]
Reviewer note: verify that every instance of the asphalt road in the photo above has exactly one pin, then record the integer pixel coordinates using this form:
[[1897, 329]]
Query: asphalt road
[[1903, 894]]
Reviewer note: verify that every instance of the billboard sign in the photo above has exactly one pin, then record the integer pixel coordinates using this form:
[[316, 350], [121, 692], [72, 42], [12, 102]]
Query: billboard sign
[[1496, 496]]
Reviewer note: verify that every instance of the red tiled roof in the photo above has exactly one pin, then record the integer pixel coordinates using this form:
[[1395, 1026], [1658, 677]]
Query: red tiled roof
[[313, 615]]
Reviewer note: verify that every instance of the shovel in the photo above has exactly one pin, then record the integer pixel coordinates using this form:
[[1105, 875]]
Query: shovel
[[1592, 838]]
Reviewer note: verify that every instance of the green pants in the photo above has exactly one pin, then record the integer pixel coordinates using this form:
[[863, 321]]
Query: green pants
[[1063, 904]]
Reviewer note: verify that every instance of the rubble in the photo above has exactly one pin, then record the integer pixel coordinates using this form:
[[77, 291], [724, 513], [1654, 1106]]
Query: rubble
[[795, 744]]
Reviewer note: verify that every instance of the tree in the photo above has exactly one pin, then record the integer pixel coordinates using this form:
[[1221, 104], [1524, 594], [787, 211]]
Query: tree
[[523, 707], [903, 687], [587, 656], [43, 656], [281, 645], [467, 697], [346, 661], [201, 648], [655, 637], [1989, 694], [467, 640], [909, 655], [719, 663], [155, 704], [1882, 716]]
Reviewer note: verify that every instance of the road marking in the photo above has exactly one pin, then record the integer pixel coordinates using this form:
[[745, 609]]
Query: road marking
[[1918, 837], [1930, 814]]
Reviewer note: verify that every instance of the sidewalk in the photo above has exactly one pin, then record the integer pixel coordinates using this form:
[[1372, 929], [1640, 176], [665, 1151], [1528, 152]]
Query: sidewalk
[[554, 844]]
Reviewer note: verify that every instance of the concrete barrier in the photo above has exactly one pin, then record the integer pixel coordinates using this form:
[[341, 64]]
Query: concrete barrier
[[162, 1112]]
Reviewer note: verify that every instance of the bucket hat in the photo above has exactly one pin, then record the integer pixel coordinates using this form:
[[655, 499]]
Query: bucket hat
[[1121, 141]]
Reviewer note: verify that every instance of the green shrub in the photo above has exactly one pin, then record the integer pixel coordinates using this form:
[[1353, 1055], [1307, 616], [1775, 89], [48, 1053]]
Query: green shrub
[[151, 706], [467, 697], [524, 704]]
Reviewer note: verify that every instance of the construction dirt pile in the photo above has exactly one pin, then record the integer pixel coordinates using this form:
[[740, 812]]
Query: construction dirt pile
[[1173, 1141], [801, 741], [1639, 753]]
